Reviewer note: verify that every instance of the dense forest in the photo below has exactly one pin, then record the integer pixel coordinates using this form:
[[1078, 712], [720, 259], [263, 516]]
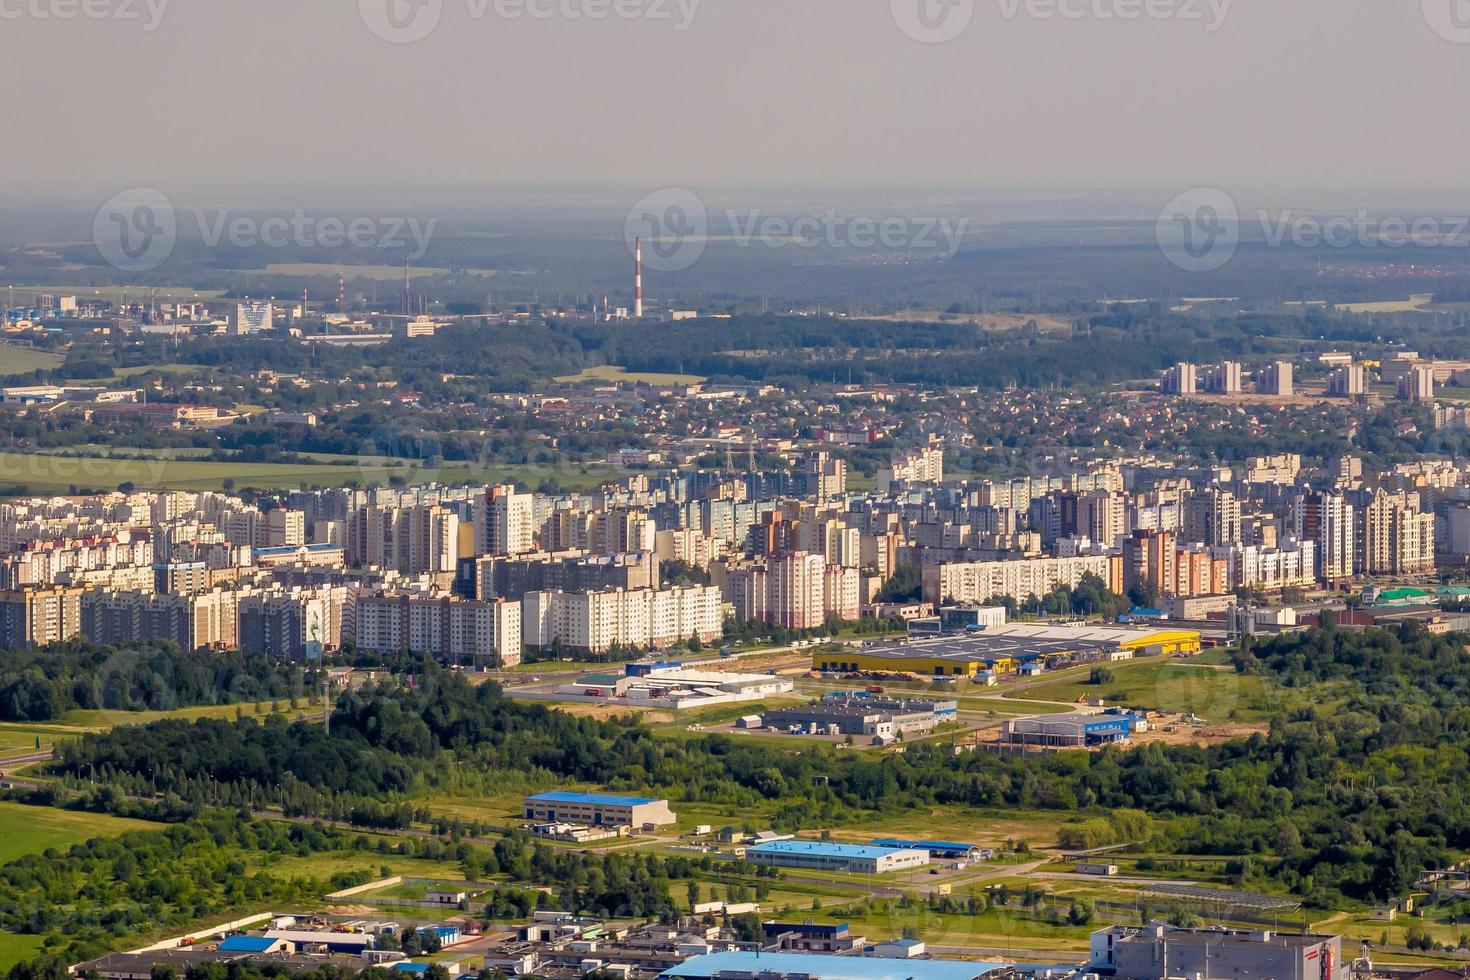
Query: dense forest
[[1350, 798], [1110, 344], [42, 685]]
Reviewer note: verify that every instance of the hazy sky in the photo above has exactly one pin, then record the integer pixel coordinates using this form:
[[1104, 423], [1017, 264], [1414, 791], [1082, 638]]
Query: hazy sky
[[1304, 93]]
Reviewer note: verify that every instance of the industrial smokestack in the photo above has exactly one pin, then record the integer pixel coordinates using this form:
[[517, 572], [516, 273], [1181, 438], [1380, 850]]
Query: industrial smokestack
[[638, 279]]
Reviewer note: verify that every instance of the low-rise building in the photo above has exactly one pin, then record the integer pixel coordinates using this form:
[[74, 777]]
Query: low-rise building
[[1074, 729], [598, 810], [1161, 952], [829, 856]]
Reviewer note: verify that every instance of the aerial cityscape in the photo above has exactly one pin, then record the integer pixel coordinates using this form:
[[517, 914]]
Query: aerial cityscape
[[666, 490]]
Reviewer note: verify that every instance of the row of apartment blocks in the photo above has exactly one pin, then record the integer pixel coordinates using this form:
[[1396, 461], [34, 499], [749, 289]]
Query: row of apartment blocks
[[303, 622], [1206, 546], [1414, 379]]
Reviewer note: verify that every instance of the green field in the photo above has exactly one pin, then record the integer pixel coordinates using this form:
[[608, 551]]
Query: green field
[[24, 360], [609, 372], [17, 738], [42, 473], [1215, 693], [17, 949], [31, 829]]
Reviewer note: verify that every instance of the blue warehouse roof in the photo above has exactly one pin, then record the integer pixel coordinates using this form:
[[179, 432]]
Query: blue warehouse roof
[[591, 799], [924, 845], [821, 967], [247, 944], [822, 848]]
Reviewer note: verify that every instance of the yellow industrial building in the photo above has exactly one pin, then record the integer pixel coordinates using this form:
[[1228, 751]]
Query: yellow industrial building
[[1004, 649]]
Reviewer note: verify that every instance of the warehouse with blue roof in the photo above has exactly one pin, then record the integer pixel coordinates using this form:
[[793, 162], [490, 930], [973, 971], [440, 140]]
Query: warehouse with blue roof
[[1073, 729], [950, 850], [598, 810], [829, 856]]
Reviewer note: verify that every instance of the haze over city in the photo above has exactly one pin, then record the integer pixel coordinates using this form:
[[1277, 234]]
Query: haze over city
[[734, 490], [1338, 94]]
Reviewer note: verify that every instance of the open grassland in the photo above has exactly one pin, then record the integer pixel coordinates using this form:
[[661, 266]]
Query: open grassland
[[103, 719], [968, 825], [18, 738], [32, 830], [1213, 692], [49, 474], [23, 360], [609, 372], [18, 949], [995, 929], [324, 865]]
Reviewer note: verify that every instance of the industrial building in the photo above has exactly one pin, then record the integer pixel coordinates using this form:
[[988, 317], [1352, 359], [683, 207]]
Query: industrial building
[[673, 688], [1160, 952], [958, 619], [816, 966], [811, 937], [1075, 729], [1003, 649], [598, 810], [874, 717], [949, 850], [827, 856]]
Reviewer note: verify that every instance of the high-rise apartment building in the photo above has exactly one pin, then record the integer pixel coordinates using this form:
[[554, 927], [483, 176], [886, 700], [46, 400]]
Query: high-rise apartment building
[[508, 519]]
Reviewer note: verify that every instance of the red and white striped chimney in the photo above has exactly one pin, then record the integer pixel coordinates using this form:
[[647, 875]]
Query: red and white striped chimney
[[638, 279]]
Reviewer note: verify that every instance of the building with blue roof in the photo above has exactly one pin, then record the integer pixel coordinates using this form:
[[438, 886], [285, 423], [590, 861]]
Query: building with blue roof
[[1075, 729], [937, 848], [747, 966], [828, 856], [249, 944], [598, 810]]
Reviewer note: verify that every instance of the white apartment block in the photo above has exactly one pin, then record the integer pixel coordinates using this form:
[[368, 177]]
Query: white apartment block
[[197, 621], [596, 622], [1250, 566], [924, 465], [446, 627], [506, 522], [976, 582], [1394, 537], [293, 623], [51, 561]]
